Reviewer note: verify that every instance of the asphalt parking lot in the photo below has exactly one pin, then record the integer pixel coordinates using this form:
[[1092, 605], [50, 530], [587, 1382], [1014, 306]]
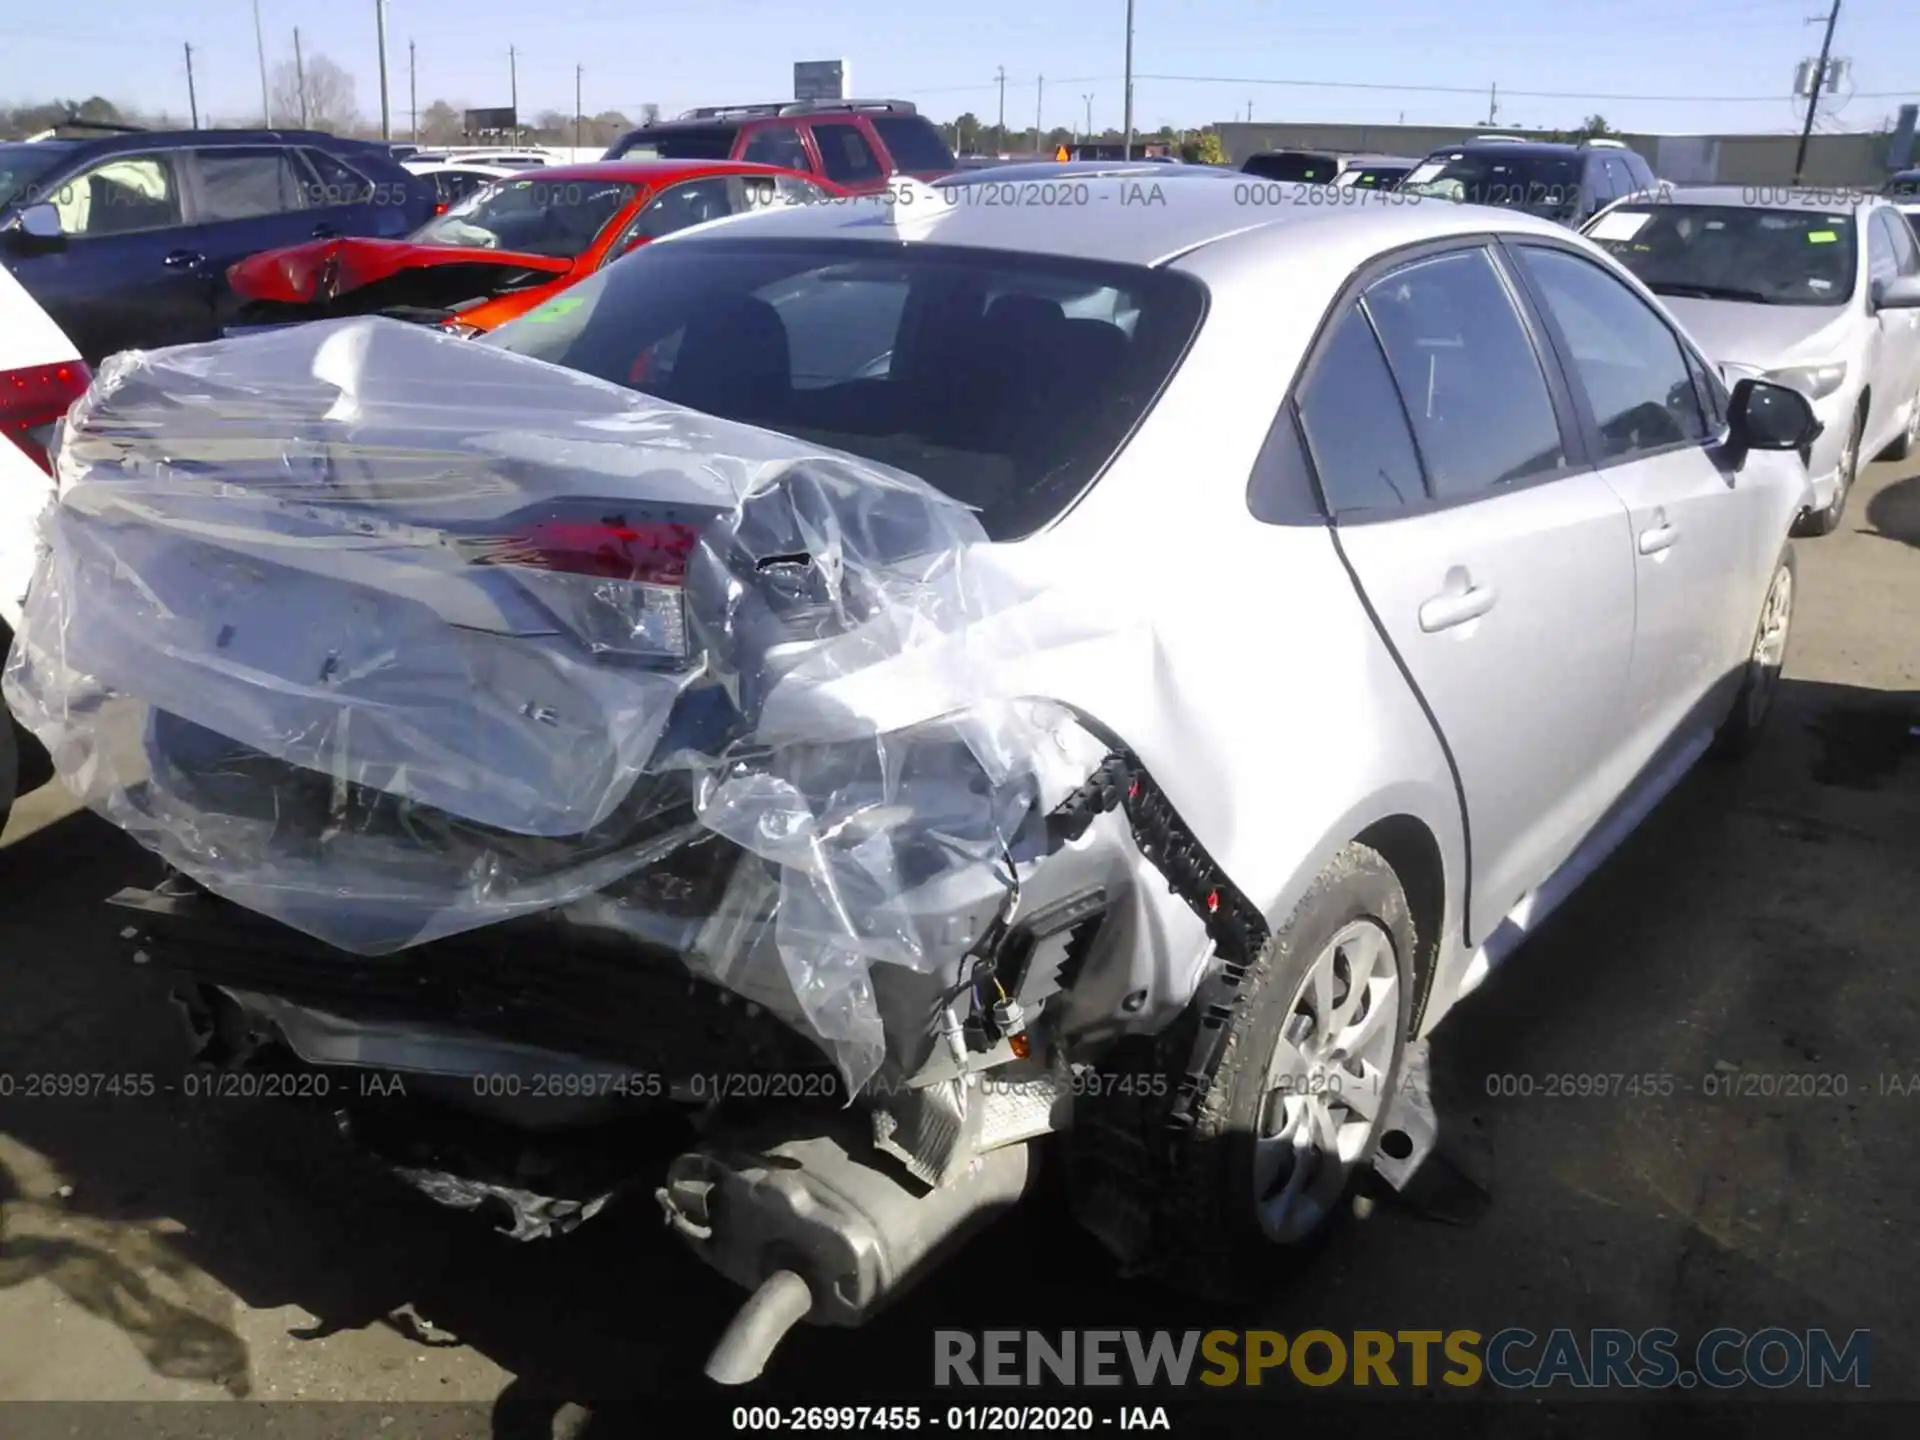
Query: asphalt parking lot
[[1762, 923]]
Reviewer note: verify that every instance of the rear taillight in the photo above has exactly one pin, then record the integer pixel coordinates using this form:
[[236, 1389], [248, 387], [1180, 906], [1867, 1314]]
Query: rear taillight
[[618, 586], [33, 400]]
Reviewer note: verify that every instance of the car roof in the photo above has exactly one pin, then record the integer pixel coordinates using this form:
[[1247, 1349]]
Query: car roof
[[653, 171], [1129, 221], [1763, 197], [1512, 147], [1407, 160], [1072, 169]]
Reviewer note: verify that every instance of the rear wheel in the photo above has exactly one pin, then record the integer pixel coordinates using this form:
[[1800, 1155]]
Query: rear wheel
[[1292, 1117]]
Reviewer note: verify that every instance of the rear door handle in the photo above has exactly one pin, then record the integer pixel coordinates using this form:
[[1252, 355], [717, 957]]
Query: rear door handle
[[1658, 537], [1460, 602], [184, 260]]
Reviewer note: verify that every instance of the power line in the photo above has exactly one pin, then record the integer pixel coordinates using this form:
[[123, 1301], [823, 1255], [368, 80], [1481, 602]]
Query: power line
[[1478, 90]]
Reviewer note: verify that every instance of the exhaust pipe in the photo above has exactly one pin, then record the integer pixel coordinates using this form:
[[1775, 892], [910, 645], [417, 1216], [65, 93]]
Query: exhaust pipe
[[823, 1227], [781, 1302]]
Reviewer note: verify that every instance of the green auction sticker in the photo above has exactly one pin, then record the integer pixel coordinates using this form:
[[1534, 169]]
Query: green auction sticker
[[1822, 237], [555, 309]]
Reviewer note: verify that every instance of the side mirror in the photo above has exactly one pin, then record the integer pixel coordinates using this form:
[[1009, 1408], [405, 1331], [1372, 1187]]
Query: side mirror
[[38, 228], [1766, 416], [1900, 293]]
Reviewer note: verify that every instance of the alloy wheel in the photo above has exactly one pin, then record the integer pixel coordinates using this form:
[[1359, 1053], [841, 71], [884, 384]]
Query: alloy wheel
[[1327, 1082], [1770, 646]]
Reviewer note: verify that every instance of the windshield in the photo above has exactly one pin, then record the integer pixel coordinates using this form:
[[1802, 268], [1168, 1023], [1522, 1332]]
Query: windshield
[[696, 142], [21, 165], [1545, 184], [1734, 252], [1373, 177], [1293, 168], [1005, 380], [534, 216]]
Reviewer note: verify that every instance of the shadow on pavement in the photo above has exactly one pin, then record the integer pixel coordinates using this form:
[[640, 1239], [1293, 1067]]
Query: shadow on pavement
[[1894, 512], [1756, 922]]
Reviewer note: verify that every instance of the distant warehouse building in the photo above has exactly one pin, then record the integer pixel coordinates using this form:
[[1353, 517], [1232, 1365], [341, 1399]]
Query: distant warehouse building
[[1863, 159]]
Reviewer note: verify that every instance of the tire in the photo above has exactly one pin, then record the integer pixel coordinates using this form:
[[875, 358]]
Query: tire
[[1826, 521], [1222, 1245], [9, 766], [1766, 658], [1909, 440]]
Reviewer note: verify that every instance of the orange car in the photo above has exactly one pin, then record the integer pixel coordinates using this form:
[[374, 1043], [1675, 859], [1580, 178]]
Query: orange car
[[507, 248]]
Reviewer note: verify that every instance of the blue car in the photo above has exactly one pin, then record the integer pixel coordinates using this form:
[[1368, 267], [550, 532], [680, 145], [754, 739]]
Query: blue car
[[125, 238]]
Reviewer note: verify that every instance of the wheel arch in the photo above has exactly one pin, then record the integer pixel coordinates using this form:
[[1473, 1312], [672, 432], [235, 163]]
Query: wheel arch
[[1412, 852]]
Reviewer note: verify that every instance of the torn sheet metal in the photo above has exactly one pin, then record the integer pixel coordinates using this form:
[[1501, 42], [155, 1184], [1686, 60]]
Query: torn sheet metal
[[388, 635]]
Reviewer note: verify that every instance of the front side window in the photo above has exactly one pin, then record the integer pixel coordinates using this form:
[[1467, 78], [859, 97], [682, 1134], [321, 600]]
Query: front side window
[[1751, 254], [238, 184], [531, 215], [845, 154], [1355, 426], [1626, 360], [1006, 380], [121, 196], [1468, 373], [1906, 255], [776, 145], [712, 197]]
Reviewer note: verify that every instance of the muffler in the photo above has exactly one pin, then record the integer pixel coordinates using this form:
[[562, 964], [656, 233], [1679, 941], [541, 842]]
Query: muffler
[[823, 1227]]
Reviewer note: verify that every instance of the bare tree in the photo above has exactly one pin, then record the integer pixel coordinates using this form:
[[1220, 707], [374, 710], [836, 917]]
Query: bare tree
[[649, 114], [321, 98], [440, 124]]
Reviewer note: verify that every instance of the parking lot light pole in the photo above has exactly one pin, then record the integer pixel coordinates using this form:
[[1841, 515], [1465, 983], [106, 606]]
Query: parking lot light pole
[[1127, 124], [193, 100], [386, 112], [260, 44]]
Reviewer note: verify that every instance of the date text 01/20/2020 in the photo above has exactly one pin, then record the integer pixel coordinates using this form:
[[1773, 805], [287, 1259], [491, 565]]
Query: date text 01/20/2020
[[1033, 1419]]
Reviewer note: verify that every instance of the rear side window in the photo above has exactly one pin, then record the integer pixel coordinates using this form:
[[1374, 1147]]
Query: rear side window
[[845, 154], [245, 184], [1637, 381], [1467, 369], [912, 142], [1355, 427], [777, 145]]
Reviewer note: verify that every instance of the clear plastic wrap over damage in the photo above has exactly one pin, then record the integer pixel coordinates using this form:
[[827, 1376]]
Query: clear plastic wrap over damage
[[389, 635]]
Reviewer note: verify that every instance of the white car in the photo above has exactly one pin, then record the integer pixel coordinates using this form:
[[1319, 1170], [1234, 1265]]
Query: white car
[[455, 180], [40, 376], [1816, 289], [1203, 647]]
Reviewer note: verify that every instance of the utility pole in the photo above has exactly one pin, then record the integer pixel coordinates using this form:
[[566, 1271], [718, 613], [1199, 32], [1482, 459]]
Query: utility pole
[[1039, 103], [1000, 130], [1813, 97], [413, 94], [578, 71], [1127, 104], [513, 89], [1249, 112], [1089, 100], [260, 44], [1493, 102], [386, 109], [300, 76], [193, 100]]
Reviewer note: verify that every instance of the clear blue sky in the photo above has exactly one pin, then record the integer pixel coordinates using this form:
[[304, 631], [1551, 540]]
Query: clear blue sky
[[680, 53]]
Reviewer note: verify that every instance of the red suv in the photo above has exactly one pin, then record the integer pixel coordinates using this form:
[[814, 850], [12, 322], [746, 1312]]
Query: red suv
[[855, 145]]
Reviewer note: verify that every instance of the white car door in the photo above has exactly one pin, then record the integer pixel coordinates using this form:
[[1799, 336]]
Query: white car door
[[1901, 328], [1696, 530], [1498, 566]]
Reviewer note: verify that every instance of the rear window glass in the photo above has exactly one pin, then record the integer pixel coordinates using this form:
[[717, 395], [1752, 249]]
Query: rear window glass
[[695, 142], [1007, 381], [1293, 169], [912, 142]]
